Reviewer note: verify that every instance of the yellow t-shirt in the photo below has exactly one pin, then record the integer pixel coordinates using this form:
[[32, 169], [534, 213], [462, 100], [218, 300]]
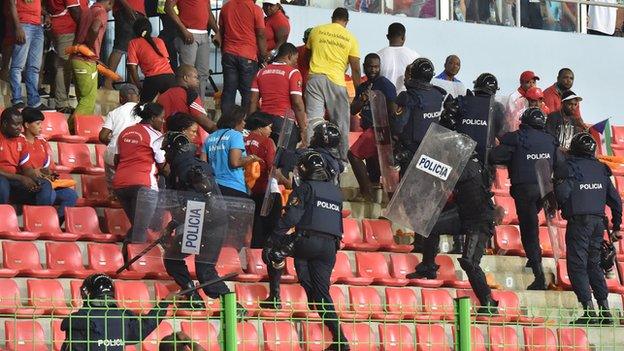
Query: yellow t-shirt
[[331, 46]]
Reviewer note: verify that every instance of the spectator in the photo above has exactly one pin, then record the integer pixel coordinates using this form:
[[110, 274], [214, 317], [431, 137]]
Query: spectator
[[244, 46], [225, 150], [116, 121], [560, 16], [19, 183], [365, 147], [194, 22], [138, 159], [517, 102], [7, 40], [531, 14], [150, 54], [125, 12], [183, 123], [552, 95], [396, 57], [27, 52], [564, 124], [65, 14], [447, 81], [276, 25], [168, 33], [601, 19], [41, 160], [535, 99], [332, 47], [278, 86], [303, 59]]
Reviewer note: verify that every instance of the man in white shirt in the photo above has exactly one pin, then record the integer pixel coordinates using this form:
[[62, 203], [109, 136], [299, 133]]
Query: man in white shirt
[[601, 20], [116, 121], [447, 81], [517, 102], [396, 57]]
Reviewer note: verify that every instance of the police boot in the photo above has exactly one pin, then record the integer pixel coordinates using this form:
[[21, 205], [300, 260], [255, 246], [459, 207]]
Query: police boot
[[589, 315], [458, 242], [605, 317], [193, 302], [540, 281], [424, 271], [338, 347], [490, 307]]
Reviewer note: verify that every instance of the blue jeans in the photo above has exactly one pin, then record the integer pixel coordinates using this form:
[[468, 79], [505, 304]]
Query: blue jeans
[[238, 73], [27, 57], [64, 197], [17, 193]]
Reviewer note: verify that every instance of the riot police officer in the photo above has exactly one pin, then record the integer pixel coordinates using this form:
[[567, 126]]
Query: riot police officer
[[314, 209], [519, 151], [101, 325], [583, 188]]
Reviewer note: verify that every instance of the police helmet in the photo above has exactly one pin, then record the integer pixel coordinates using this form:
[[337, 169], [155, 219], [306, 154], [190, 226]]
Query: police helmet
[[450, 114], [311, 166], [422, 70], [486, 83], [176, 143], [325, 134], [583, 144], [607, 256], [534, 117], [97, 286]]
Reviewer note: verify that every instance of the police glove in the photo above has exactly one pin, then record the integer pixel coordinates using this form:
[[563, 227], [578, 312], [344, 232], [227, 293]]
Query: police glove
[[549, 203], [615, 235]]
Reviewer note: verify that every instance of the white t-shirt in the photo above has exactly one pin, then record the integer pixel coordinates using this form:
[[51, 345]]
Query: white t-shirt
[[394, 59], [516, 105], [601, 18], [117, 120], [454, 89]]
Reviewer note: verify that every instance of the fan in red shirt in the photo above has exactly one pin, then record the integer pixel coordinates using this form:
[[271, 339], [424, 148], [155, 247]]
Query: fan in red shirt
[[303, 59], [552, 95], [150, 54], [276, 25], [535, 97], [277, 89]]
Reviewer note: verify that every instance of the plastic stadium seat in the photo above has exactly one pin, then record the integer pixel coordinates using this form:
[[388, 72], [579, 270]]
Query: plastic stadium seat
[[257, 268], [508, 204], [107, 258], [509, 309], [99, 155], [403, 302], [89, 127], [447, 273], [151, 342], [229, 262], [342, 273], [54, 128], [47, 295], [83, 221], [24, 336], [11, 301], [477, 340], [294, 301], [431, 338], [133, 295], [502, 182], [539, 339], [395, 337], [316, 336], [374, 265], [67, 258], [23, 256], [563, 280], [342, 306], [402, 264], [212, 305], [380, 231], [203, 332], [94, 191], [280, 336], [76, 295], [503, 338], [573, 339], [360, 336], [117, 222], [507, 241], [9, 227], [352, 237], [544, 239], [44, 221], [438, 304], [366, 301], [150, 264], [249, 295], [247, 337], [58, 336], [76, 158]]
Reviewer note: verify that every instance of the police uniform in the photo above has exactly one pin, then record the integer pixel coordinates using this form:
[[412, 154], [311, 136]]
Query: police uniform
[[333, 165]]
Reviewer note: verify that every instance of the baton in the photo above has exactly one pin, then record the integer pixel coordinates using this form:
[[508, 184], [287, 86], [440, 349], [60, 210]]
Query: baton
[[210, 282], [166, 232]]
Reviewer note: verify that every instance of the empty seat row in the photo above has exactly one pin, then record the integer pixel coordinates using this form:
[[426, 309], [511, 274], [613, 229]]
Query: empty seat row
[[376, 234], [55, 128]]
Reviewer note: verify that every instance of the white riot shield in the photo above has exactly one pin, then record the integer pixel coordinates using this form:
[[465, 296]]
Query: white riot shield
[[282, 144], [383, 140], [544, 179], [430, 179], [565, 132]]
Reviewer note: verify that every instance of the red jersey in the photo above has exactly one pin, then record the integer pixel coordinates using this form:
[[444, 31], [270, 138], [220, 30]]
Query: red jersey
[[303, 63], [239, 20], [87, 18], [276, 83], [136, 5], [13, 154], [28, 12], [552, 99], [175, 100], [39, 151], [194, 14], [60, 18], [264, 148], [141, 53], [272, 24], [139, 150]]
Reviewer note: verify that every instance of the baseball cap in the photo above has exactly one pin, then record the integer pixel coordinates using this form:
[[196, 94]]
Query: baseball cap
[[534, 93], [527, 76], [569, 95], [128, 89], [272, 2]]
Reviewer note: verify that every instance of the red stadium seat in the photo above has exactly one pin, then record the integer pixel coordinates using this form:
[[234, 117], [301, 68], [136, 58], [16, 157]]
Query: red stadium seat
[[67, 258], [545, 245], [249, 295], [438, 304], [247, 337], [229, 262], [23, 257], [152, 341], [54, 128], [447, 273], [352, 237], [99, 155], [508, 204], [255, 265], [94, 191], [507, 241], [395, 337], [316, 336], [294, 302], [280, 336], [502, 182], [212, 305], [509, 309], [203, 332], [403, 302], [380, 231], [44, 221], [360, 336], [573, 339], [24, 336], [11, 301], [477, 340], [76, 158], [342, 273], [133, 295], [431, 338], [48, 296], [503, 338], [9, 227], [107, 258], [539, 339], [374, 265], [83, 221], [58, 336], [76, 295], [563, 280], [342, 305], [89, 127], [117, 222], [366, 301], [403, 264], [151, 264]]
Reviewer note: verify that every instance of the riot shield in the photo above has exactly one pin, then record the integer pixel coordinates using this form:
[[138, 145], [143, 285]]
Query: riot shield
[[565, 132], [429, 179], [282, 144], [383, 140], [544, 179]]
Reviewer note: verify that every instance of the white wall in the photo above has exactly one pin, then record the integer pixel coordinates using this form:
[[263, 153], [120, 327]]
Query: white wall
[[503, 51]]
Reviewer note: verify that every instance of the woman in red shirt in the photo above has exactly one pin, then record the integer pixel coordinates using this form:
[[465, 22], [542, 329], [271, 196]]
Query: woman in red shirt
[[150, 54], [277, 26]]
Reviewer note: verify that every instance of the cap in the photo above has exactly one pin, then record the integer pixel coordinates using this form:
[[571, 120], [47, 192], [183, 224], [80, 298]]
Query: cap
[[527, 76], [569, 95], [258, 120], [534, 93], [272, 2], [127, 89]]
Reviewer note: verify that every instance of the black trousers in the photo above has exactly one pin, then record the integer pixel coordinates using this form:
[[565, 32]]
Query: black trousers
[[477, 236], [140, 216], [206, 271], [584, 235], [448, 223], [527, 198], [262, 229], [315, 256], [155, 85]]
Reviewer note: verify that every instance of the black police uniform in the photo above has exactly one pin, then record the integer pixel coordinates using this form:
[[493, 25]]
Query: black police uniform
[[583, 188], [315, 210], [474, 112], [333, 165]]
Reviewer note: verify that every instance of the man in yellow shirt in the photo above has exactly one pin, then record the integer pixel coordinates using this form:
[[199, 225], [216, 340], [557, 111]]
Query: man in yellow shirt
[[332, 47]]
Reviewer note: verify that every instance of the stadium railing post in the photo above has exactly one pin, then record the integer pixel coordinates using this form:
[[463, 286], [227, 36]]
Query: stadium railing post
[[228, 322], [462, 324]]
